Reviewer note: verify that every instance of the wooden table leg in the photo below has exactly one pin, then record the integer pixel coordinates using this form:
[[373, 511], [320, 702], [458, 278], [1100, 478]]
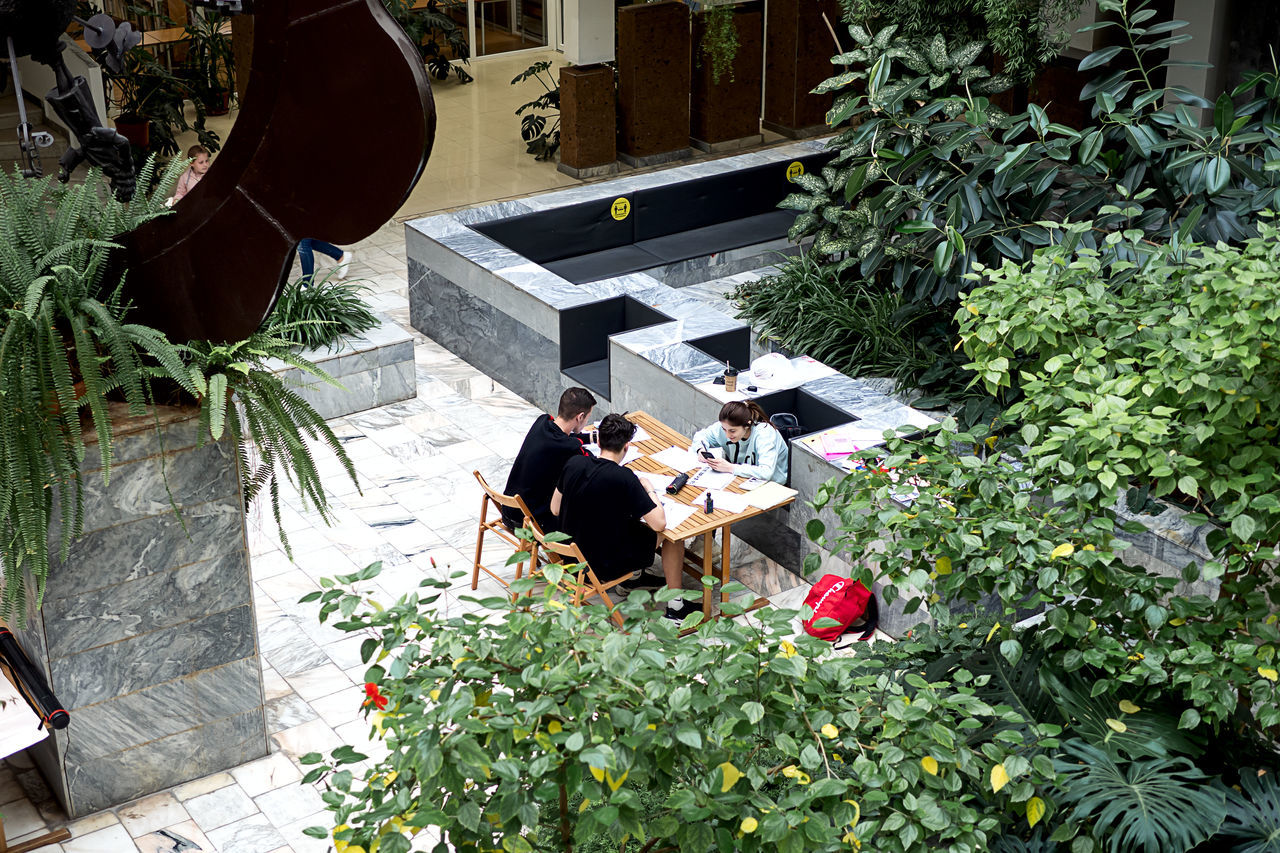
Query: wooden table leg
[[724, 562], [708, 570]]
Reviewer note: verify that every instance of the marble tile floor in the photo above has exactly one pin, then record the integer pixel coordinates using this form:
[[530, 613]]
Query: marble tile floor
[[416, 511]]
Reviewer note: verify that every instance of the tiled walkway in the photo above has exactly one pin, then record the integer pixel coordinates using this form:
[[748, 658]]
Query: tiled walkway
[[419, 502]]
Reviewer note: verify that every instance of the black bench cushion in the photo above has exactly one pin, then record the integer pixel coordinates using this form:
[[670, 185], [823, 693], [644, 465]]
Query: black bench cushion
[[712, 239], [604, 264], [563, 232]]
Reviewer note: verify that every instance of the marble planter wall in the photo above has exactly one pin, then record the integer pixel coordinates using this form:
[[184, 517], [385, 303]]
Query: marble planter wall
[[375, 369], [147, 632]]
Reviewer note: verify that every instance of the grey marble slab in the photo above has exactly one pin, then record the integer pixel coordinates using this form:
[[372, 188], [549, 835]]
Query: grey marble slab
[[100, 783], [138, 662], [158, 600], [125, 552], [155, 484], [164, 709]]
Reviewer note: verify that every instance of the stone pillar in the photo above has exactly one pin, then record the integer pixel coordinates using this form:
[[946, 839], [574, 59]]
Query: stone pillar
[[147, 634], [798, 58], [1209, 49], [725, 116], [653, 83], [588, 121], [588, 31]]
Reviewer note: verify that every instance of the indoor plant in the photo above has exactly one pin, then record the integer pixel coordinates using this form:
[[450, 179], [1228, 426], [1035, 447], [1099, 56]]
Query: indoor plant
[[68, 349], [148, 96], [210, 62]]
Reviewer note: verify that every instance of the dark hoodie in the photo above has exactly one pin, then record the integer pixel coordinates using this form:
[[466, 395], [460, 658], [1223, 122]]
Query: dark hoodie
[[537, 468]]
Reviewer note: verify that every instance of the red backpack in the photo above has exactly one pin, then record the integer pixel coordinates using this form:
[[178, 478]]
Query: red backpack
[[845, 600]]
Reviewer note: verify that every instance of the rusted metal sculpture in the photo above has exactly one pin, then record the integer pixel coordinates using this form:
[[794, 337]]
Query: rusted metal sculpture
[[336, 127]]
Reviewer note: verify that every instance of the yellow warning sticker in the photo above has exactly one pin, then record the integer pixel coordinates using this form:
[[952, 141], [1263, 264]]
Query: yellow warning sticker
[[795, 170], [621, 208]]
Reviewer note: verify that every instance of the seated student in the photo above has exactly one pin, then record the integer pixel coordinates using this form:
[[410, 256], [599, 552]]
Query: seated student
[[610, 513], [550, 442], [752, 448]]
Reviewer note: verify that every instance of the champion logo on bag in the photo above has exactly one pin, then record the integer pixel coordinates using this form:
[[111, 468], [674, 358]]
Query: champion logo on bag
[[843, 600]]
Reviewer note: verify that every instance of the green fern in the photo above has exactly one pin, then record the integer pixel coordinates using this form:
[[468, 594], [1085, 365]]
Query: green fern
[[66, 345]]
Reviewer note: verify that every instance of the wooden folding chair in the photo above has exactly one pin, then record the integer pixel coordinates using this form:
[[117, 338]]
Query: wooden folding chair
[[587, 585], [497, 527]]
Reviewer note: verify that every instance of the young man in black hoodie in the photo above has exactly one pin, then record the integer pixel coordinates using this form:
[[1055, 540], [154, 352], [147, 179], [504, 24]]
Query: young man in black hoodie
[[550, 442]]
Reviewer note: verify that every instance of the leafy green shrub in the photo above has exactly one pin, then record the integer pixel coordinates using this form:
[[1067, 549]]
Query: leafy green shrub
[[321, 313], [1157, 372], [1027, 34], [494, 722], [851, 325], [931, 181]]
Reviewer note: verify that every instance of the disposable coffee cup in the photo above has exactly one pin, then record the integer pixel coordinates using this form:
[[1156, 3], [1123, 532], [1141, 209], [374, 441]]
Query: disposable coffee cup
[[730, 378]]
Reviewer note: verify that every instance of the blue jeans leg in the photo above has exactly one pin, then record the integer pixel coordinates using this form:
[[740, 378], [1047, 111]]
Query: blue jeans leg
[[307, 258]]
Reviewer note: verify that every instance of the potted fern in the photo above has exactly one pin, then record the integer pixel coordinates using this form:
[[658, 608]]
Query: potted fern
[[68, 325]]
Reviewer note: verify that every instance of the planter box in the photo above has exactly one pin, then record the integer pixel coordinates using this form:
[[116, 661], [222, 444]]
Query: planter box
[[653, 83], [375, 369], [147, 634], [798, 58], [726, 115]]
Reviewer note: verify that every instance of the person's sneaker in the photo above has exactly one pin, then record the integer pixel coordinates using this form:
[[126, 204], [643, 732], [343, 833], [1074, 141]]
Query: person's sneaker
[[676, 615], [643, 580], [344, 265]]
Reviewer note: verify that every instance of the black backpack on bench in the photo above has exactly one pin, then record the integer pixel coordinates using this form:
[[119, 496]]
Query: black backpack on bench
[[787, 424]]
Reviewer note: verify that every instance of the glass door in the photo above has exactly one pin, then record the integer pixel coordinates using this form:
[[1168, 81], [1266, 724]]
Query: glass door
[[501, 26]]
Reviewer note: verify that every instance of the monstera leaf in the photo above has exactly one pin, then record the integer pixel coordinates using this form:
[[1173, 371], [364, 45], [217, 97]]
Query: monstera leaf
[[1159, 805], [1254, 816]]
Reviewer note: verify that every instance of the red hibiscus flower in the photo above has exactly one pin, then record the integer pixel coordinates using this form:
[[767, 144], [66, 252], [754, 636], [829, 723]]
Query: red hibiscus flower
[[373, 696]]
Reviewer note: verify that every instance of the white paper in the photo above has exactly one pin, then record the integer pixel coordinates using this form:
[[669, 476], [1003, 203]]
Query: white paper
[[676, 513], [708, 479], [753, 483], [676, 459], [19, 726], [727, 501], [655, 481], [640, 435], [631, 455], [769, 495]]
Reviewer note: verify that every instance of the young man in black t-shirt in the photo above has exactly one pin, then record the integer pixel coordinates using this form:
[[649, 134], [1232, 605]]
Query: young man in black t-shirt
[[610, 513], [549, 444]]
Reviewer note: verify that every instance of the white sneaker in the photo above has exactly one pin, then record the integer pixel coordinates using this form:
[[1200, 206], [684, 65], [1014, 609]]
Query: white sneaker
[[344, 265]]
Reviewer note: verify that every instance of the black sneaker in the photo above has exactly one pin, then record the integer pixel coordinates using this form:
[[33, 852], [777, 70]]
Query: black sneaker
[[676, 615], [643, 580]]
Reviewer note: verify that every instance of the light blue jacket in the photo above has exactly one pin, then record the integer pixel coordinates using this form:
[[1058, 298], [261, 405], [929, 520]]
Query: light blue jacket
[[763, 454]]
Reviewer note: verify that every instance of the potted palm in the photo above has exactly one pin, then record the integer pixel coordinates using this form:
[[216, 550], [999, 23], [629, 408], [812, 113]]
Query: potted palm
[[211, 62], [150, 104]]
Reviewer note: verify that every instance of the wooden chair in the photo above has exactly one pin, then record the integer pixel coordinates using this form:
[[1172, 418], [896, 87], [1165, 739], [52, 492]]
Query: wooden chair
[[586, 584], [497, 527], [32, 843]]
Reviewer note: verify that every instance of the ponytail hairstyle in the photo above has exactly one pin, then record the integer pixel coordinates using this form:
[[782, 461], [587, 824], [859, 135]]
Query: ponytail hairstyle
[[742, 413]]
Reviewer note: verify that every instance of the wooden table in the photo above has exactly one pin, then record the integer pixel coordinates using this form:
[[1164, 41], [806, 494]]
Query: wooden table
[[700, 523]]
